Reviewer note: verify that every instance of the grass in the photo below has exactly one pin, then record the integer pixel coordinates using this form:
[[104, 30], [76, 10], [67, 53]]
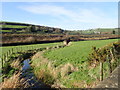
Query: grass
[[76, 55], [16, 49], [14, 82], [25, 47], [66, 67], [5, 30], [12, 26], [100, 30]]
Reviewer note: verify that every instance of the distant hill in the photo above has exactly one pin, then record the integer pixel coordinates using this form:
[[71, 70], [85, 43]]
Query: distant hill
[[98, 31], [16, 27]]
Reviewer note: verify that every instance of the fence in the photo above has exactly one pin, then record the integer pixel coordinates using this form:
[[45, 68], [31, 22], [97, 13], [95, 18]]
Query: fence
[[5, 55]]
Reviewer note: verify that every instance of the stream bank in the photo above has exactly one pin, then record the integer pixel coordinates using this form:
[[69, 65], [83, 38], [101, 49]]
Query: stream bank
[[21, 61], [19, 72], [29, 76]]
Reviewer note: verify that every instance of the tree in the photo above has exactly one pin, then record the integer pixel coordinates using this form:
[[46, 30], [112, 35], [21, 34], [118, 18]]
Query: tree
[[14, 30], [113, 32]]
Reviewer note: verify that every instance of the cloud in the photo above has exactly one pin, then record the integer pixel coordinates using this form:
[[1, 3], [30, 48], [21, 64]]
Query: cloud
[[79, 16]]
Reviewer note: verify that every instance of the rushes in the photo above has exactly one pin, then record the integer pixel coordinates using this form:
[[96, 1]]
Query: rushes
[[45, 70], [14, 82], [16, 64]]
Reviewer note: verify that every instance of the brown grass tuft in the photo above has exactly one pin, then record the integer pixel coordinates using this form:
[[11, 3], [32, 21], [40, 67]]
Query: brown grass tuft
[[67, 69], [16, 64], [14, 82]]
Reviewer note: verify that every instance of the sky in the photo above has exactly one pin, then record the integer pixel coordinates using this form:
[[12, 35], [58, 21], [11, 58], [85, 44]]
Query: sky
[[65, 15]]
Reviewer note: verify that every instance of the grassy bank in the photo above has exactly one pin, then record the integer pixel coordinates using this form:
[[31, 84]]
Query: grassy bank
[[18, 54], [68, 67]]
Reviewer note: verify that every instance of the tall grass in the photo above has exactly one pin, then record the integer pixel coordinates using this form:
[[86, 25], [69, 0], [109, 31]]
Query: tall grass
[[69, 65]]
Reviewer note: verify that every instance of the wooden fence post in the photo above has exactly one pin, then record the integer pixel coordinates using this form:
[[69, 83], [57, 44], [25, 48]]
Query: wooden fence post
[[101, 71], [6, 57], [20, 49], [2, 61], [9, 53], [109, 64], [12, 51]]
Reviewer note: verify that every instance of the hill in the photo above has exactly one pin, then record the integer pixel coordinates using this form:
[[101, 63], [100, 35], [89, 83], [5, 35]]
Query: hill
[[16, 27]]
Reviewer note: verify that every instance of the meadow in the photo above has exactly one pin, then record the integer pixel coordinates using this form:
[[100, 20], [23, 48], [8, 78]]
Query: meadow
[[68, 67], [24, 47], [77, 52], [64, 67]]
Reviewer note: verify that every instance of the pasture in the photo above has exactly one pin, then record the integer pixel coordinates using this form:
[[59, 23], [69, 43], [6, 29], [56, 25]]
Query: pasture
[[65, 67], [77, 52], [76, 55]]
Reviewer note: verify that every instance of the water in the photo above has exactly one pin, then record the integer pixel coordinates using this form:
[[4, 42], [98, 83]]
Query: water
[[26, 65], [29, 76]]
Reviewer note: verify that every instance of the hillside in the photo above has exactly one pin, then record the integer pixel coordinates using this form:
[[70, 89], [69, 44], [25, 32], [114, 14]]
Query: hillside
[[101, 31], [16, 27]]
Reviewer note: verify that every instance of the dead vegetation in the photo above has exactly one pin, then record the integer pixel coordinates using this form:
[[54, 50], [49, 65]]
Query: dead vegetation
[[16, 64], [34, 38], [46, 71], [14, 82]]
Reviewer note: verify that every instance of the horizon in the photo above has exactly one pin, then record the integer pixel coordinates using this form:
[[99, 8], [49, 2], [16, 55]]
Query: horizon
[[59, 27], [64, 15]]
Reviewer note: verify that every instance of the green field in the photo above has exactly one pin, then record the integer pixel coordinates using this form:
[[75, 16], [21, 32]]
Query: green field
[[76, 54], [12, 26], [100, 30], [25, 47], [67, 66], [22, 48]]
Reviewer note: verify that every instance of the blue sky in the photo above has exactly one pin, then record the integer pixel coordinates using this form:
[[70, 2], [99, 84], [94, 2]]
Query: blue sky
[[65, 15]]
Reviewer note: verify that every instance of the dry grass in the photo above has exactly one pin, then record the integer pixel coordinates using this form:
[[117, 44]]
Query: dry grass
[[51, 74], [67, 69], [14, 82], [37, 55], [16, 64]]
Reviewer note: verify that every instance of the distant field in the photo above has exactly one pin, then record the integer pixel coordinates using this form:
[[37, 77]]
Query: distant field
[[12, 26], [20, 26], [100, 30]]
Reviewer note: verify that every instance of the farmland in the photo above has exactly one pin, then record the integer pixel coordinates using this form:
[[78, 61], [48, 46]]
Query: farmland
[[77, 52], [24, 47], [10, 53], [68, 67], [75, 65], [17, 27], [23, 33]]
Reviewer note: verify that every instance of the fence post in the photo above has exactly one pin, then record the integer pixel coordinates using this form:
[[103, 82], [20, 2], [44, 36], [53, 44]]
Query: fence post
[[3, 60], [12, 51], [9, 53], [109, 64], [20, 49], [101, 71]]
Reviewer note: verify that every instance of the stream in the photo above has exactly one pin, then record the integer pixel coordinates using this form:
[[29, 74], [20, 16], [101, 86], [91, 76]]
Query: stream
[[29, 76]]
